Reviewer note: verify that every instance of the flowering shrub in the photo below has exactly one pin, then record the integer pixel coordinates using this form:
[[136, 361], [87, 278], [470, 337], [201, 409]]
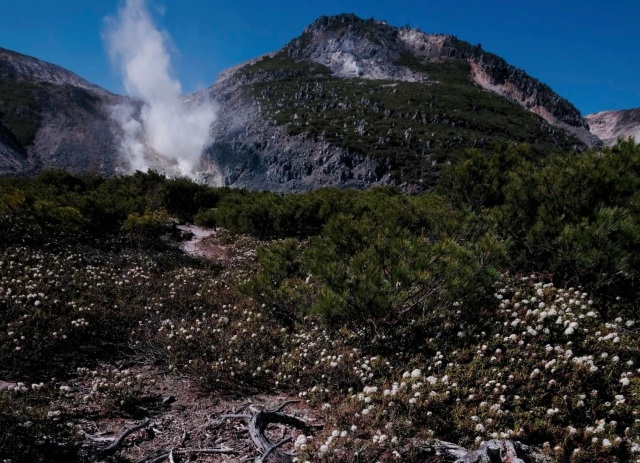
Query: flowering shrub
[[114, 391], [549, 371], [545, 369]]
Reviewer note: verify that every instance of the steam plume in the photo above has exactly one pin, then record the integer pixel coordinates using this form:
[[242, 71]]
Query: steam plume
[[350, 66], [164, 123]]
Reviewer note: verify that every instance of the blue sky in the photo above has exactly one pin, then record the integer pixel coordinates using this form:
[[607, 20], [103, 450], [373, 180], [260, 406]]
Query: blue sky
[[588, 51]]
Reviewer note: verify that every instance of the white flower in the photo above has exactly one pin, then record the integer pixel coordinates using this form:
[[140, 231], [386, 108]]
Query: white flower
[[300, 440], [415, 374]]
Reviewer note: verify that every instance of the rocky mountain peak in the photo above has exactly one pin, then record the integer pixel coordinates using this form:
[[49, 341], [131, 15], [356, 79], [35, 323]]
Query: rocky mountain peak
[[357, 102], [355, 47], [350, 46], [22, 68]]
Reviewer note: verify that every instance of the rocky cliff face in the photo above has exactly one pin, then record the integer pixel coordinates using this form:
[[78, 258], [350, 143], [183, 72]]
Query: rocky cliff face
[[50, 117], [252, 151], [12, 157], [609, 126]]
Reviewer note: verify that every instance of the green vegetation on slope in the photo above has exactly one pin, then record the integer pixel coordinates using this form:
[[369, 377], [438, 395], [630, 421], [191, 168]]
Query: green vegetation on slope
[[283, 67], [19, 109], [412, 129]]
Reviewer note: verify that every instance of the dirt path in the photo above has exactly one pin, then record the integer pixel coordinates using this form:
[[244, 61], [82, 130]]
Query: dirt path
[[203, 244], [217, 246], [195, 246]]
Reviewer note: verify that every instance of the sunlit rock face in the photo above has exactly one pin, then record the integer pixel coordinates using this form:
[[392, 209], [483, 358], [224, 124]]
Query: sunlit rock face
[[609, 126]]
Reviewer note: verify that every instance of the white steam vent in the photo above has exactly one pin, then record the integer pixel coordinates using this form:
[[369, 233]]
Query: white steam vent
[[165, 124]]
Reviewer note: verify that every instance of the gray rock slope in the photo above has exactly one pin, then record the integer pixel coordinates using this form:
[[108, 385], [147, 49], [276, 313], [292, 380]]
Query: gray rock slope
[[50, 117]]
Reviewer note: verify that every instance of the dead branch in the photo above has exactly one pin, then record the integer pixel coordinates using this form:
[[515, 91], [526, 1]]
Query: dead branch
[[185, 437], [163, 456], [265, 455], [99, 439], [260, 420], [205, 451], [493, 451], [118, 440], [257, 427], [242, 407], [236, 416]]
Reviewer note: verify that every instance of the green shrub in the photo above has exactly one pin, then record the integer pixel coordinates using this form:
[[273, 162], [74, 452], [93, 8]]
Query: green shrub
[[146, 229], [206, 218], [280, 283]]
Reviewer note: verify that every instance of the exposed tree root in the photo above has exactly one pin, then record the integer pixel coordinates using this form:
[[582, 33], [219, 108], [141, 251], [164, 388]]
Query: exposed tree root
[[493, 451], [260, 420], [116, 442], [258, 423]]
